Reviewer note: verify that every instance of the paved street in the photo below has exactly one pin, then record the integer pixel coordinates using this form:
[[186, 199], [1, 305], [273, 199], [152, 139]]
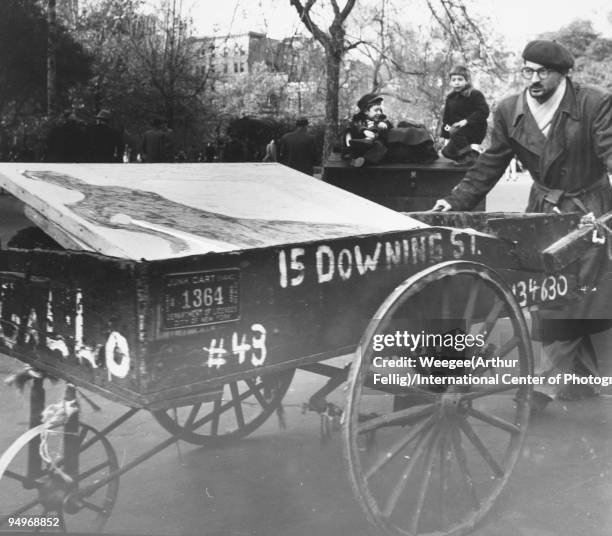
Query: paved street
[[286, 483]]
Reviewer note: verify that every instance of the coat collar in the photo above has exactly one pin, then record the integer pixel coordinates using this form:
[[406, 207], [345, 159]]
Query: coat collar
[[568, 104], [465, 92]]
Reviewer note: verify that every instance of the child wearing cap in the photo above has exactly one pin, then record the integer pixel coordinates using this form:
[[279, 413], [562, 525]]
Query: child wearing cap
[[465, 118], [367, 132]]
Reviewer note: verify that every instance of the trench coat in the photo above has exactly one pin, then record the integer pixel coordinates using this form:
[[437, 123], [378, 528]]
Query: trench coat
[[569, 169]]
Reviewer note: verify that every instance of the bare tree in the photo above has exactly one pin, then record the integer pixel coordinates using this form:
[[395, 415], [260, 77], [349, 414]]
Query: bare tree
[[462, 33], [335, 47]]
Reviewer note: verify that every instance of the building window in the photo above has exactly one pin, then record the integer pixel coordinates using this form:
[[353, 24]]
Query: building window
[[235, 67], [242, 67], [225, 68]]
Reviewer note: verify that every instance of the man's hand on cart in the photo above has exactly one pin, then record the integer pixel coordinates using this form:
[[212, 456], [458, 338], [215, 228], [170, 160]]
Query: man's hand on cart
[[441, 206]]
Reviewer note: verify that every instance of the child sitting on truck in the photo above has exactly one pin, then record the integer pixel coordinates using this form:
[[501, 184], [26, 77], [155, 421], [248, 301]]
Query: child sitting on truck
[[465, 118], [367, 132]]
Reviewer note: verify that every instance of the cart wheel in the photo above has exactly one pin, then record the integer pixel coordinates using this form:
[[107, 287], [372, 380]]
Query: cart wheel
[[442, 452], [50, 493], [242, 407]]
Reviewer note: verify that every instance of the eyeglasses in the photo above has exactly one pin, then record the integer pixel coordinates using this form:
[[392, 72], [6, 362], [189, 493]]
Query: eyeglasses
[[542, 72]]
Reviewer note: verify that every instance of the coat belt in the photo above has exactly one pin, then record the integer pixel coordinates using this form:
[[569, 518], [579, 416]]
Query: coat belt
[[554, 195]]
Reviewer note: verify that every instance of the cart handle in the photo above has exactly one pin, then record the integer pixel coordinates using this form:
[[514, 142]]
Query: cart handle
[[575, 244]]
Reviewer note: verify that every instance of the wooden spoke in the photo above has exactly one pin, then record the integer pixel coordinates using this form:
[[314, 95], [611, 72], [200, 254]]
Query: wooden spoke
[[216, 413], [16, 476], [192, 415], [219, 409], [470, 305], [237, 403], [406, 416], [397, 447], [258, 394], [463, 466], [92, 507], [494, 421], [403, 479], [492, 318], [480, 447], [444, 473], [93, 470], [429, 463]]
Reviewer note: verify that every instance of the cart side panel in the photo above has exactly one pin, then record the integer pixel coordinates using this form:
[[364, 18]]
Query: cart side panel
[[72, 315], [284, 306]]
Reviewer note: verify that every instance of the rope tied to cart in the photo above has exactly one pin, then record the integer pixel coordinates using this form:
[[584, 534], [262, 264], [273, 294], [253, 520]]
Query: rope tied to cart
[[53, 416], [602, 233]]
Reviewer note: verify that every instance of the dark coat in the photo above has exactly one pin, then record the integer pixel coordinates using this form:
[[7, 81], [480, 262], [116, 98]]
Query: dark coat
[[574, 158], [469, 104], [298, 150], [67, 142], [156, 146], [360, 123], [105, 144]]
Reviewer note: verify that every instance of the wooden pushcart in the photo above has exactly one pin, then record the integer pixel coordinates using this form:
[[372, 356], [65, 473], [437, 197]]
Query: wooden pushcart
[[195, 291]]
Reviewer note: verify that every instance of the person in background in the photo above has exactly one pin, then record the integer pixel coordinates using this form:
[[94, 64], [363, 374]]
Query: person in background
[[465, 118], [271, 151], [154, 145], [210, 152], [297, 149], [561, 132], [67, 139], [364, 142], [105, 142]]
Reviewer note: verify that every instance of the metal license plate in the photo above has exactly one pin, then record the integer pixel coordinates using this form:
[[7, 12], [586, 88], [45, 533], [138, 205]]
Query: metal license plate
[[201, 298]]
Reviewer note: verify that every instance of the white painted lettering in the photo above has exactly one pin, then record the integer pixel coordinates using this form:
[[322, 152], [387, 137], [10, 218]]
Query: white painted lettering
[[393, 252], [435, 247], [325, 264], [215, 354], [298, 266], [345, 264], [457, 244], [419, 249], [117, 347], [259, 343], [370, 263], [282, 268]]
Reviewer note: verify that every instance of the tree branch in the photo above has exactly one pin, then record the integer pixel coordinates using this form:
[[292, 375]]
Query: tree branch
[[304, 14]]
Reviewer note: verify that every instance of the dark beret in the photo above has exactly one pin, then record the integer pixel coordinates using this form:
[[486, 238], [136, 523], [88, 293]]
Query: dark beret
[[368, 100], [549, 54]]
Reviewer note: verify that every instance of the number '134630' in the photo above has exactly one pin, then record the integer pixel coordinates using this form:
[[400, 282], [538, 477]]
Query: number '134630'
[[533, 291]]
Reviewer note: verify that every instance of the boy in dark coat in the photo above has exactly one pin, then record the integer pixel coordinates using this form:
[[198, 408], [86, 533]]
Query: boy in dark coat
[[465, 118], [367, 133]]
